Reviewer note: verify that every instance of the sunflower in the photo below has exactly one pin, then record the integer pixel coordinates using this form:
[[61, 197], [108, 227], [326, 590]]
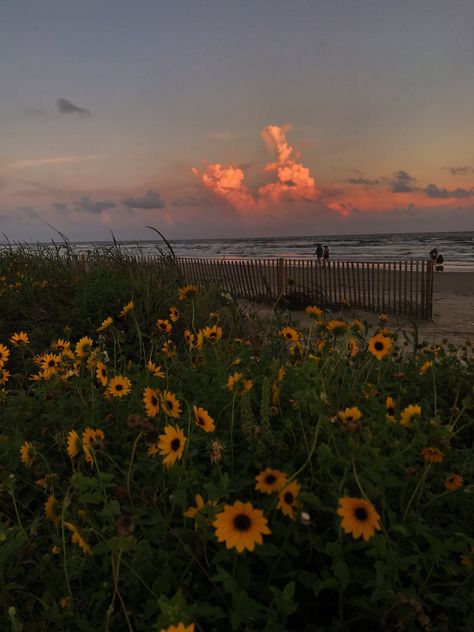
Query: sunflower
[[4, 353], [105, 324], [171, 445], [76, 538], [290, 334], [20, 338], [49, 510], [357, 325], [101, 373], [150, 400], [287, 499], [191, 512], [336, 326], [240, 526], [425, 367], [61, 345], [74, 444], [353, 347], [164, 326], [380, 346], [314, 312], [203, 419], [174, 314], [453, 482], [359, 517], [84, 346], [181, 627], [236, 383], [270, 481], [4, 376], [119, 386], [213, 333], [92, 439], [170, 405], [27, 453], [187, 291], [50, 362], [349, 415], [126, 309], [189, 337], [169, 349], [390, 408], [432, 455], [406, 416], [154, 369]]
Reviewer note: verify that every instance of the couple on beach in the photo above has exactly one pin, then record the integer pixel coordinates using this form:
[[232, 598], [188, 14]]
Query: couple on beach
[[322, 254], [437, 259]]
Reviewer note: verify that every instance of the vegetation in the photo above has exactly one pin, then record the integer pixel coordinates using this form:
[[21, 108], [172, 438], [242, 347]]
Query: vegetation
[[169, 461]]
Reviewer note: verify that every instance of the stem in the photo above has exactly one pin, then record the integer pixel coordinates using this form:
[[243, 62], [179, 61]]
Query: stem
[[420, 483]]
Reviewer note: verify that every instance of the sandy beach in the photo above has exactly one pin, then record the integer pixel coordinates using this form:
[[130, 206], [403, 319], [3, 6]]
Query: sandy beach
[[453, 310]]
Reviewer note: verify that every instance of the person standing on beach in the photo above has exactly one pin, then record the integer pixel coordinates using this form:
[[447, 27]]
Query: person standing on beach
[[433, 254], [326, 257], [439, 263], [319, 253]]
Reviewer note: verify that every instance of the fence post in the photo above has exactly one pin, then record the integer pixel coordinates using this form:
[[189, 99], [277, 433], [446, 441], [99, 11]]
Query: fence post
[[280, 275], [429, 292]]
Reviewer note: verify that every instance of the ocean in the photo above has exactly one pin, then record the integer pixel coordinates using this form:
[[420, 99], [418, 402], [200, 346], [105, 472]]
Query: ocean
[[457, 248]]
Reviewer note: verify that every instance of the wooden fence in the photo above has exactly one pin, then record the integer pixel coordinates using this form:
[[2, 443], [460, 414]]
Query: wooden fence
[[401, 287]]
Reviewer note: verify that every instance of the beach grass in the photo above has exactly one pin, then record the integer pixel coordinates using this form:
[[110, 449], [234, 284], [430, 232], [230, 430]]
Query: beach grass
[[168, 457]]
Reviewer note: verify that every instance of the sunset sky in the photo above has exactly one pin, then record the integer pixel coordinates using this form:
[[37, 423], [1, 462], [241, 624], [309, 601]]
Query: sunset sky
[[211, 118]]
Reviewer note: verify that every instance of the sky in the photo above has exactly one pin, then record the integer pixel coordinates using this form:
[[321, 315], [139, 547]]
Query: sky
[[208, 119]]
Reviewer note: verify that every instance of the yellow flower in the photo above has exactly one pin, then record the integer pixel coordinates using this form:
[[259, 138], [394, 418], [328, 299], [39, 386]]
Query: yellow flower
[[189, 337], [171, 445], [270, 481], [353, 347], [236, 382], [64, 602], [170, 405], [379, 346], [426, 366], [27, 453], [406, 416], [192, 512], [101, 373], [174, 314], [154, 369], [164, 326], [203, 419], [287, 499], [19, 338], [105, 324], [359, 517], [84, 346], [4, 376], [126, 309], [349, 415], [49, 510], [76, 538], [240, 526], [169, 349], [92, 439], [213, 333], [290, 334], [74, 444], [4, 353], [61, 345], [390, 408], [181, 627], [336, 326], [453, 482], [150, 400], [119, 386], [314, 312], [432, 455], [50, 362], [187, 291]]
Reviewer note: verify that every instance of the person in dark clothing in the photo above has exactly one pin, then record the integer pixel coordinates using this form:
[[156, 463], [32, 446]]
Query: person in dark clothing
[[433, 254], [319, 252], [439, 263], [326, 257]]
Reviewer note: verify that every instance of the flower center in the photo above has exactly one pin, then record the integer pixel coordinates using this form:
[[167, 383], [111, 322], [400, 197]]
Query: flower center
[[270, 479], [200, 421], [361, 514], [379, 346], [119, 387], [350, 418], [154, 401], [391, 411], [288, 498], [242, 522], [175, 445]]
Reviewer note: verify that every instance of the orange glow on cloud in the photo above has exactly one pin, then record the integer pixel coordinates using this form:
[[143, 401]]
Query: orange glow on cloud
[[293, 180]]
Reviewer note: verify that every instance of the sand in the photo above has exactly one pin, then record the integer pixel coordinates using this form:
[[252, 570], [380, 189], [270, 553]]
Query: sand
[[453, 310]]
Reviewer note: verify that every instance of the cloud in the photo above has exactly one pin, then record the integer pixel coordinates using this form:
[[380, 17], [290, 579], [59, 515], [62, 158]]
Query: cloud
[[85, 204], [189, 200], [68, 107], [403, 182], [151, 200], [58, 160], [460, 171], [293, 180], [363, 182], [433, 191], [61, 207]]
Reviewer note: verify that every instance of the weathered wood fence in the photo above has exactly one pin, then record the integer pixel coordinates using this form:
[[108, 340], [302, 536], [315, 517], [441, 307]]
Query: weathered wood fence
[[400, 287]]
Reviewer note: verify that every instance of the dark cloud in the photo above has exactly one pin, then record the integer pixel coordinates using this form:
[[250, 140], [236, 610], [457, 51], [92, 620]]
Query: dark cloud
[[150, 200], [85, 204], [460, 171], [61, 207], [67, 107], [403, 183], [363, 181], [190, 200], [433, 191]]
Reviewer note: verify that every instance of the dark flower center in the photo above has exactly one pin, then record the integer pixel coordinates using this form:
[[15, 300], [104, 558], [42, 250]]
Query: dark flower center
[[379, 346], [119, 387], [242, 522], [390, 411], [288, 498], [51, 363], [350, 418], [175, 445], [270, 479], [169, 404], [361, 514], [201, 421], [154, 401]]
